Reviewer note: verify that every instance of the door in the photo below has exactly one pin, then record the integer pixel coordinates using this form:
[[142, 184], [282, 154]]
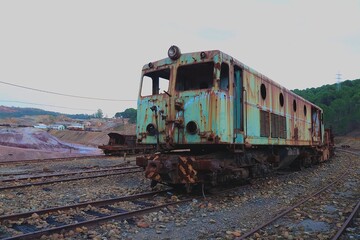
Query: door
[[238, 105], [315, 125]]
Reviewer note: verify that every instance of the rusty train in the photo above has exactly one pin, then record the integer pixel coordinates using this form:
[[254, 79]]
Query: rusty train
[[214, 119], [120, 144]]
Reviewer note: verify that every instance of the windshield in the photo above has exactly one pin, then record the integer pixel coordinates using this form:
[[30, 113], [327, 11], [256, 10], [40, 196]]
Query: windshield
[[195, 76]]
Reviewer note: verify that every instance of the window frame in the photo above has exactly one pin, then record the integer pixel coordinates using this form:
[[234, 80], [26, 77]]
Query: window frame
[[177, 86], [148, 74]]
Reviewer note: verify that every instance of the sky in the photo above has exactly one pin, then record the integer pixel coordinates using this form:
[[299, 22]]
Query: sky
[[97, 49]]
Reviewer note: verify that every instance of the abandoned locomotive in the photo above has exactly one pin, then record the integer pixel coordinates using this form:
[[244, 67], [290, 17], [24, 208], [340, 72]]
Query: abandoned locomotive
[[212, 119]]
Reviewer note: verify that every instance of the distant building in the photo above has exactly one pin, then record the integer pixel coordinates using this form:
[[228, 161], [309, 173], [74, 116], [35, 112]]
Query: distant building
[[57, 127], [41, 126]]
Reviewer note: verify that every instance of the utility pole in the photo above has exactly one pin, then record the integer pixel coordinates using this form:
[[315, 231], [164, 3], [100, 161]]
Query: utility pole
[[338, 80]]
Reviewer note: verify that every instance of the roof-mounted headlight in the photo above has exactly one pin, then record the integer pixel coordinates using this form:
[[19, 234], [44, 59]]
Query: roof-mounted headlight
[[174, 52]]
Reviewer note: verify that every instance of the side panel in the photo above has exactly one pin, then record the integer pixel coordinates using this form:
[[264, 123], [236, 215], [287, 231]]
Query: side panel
[[212, 113], [146, 116], [274, 115], [251, 105]]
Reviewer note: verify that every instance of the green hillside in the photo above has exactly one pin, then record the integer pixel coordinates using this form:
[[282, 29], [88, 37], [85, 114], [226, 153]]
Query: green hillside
[[340, 102], [14, 112]]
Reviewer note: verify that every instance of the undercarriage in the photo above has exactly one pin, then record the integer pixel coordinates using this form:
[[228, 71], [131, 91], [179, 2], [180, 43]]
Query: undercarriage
[[192, 167]]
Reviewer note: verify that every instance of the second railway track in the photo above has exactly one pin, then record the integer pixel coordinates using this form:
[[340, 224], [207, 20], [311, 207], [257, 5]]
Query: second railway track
[[35, 224], [11, 183], [337, 200]]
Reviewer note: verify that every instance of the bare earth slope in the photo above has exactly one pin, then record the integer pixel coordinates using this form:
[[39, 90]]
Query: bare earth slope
[[352, 139], [93, 139], [31, 143]]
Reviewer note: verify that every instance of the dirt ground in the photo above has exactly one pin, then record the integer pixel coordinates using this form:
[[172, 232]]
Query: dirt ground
[[352, 139]]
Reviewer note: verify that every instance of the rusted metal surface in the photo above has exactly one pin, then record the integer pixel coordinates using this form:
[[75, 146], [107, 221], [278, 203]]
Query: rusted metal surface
[[120, 139], [187, 169]]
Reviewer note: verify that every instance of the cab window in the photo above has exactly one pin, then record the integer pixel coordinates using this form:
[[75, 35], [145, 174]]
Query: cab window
[[156, 82]]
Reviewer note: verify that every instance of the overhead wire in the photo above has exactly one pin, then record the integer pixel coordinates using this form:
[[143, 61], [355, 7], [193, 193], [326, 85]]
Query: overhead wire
[[68, 95], [47, 105]]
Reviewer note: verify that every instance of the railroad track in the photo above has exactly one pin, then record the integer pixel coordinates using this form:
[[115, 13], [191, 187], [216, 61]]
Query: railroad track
[[53, 159], [351, 151], [313, 204], [37, 176], [19, 226], [33, 225], [54, 178], [341, 231]]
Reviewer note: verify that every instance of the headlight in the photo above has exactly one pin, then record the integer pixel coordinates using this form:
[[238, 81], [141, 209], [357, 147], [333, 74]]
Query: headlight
[[151, 129], [174, 52]]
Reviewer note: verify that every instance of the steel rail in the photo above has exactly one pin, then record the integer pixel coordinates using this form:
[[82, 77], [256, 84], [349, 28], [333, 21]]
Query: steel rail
[[67, 180], [289, 209], [349, 151], [95, 203], [66, 174], [347, 222], [51, 159], [120, 216], [80, 205]]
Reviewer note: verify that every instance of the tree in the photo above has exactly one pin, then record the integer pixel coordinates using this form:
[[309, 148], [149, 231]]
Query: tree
[[129, 113], [340, 102], [99, 114]]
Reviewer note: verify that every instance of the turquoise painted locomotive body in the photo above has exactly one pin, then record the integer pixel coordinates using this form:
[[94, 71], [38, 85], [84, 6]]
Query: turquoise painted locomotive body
[[210, 98]]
